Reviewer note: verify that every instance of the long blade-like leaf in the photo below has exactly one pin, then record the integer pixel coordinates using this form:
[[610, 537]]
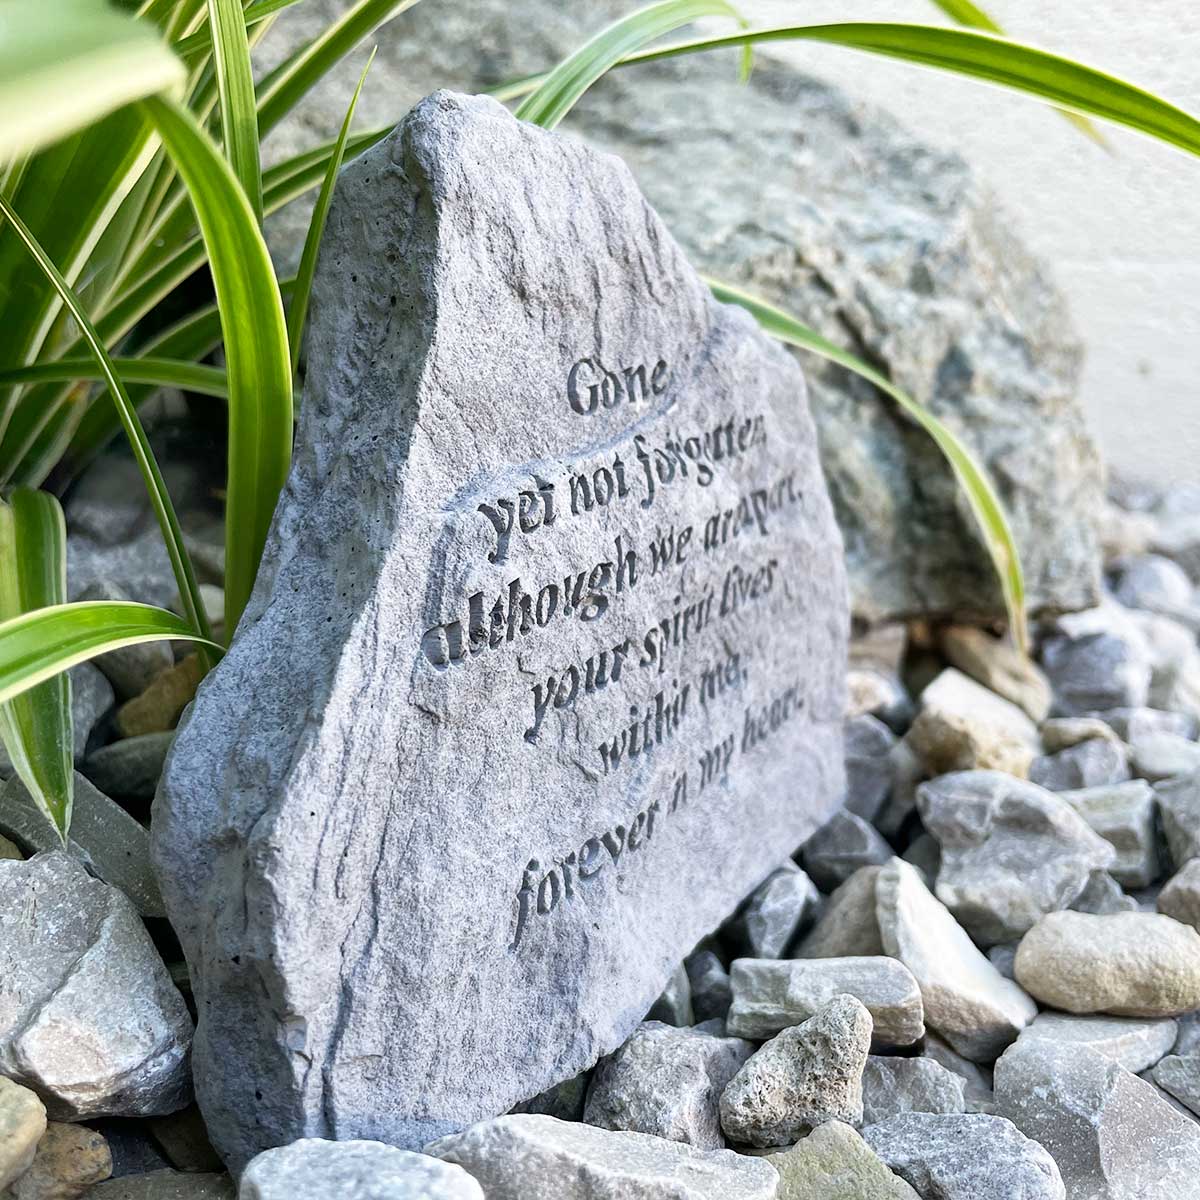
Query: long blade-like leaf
[[985, 504], [61, 74], [200, 42], [38, 645], [316, 227], [557, 94], [36, 726], [160, 500], [258, 364], [235, 86], [284, 86], [161, 372], [1069, 85]]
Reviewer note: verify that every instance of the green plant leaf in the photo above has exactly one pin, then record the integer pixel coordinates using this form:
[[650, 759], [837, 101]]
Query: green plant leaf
[[160, 372], [200, 42], [64, 68], [36, 726], [284, 86], [316, 227], [258, 363], [1069, 85], [972, 479], [558, 92], [160, 500], [38, 645], [235, 86]]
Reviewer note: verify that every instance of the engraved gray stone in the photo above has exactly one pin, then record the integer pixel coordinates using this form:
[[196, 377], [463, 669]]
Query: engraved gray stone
[[895, 1085], [381, 788]]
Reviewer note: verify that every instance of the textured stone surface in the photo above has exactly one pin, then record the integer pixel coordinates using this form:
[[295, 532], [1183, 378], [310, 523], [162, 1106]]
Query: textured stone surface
[[104, 837], [977, 1080], [353, 1170], [68, 1160], [1086, 765], [848, 926], [805, 1075], [962, 726], [777, 912], [1011, 851], [895, 1085], [564, 1100], [1135, 1044], [1179, 1076], [884, 244], [1124, 815], [770, 996], [880, 694], [166, 1185], [1179, 807], [966, 999], [1127, 964], [1111, 1134], [965, 1156], [1180, 898], [89, 1017], [834, 1163], [327, 872], [999, 666], [518, 1157], [667, 1082], [843, 845], [22, 1123]]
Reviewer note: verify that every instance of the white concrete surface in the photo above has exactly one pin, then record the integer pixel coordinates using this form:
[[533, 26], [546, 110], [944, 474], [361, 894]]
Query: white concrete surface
[[1122, 231]]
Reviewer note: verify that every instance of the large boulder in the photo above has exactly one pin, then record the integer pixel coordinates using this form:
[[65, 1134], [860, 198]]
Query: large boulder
[[888, 247]]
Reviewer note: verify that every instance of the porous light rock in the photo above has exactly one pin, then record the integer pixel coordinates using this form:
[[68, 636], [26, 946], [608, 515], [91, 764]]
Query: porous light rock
[[770, 996], [805, 1075], [999, 666], [834, 1163], [327, 859], [896, 1085], [1125, 816], [518, 1157], [884, 244], [68, 1160], [962, 726], [89, 1017], [1010, 851], [667, 1082], [847, 927], [22, 1123], [776, 913], [1112, 1134], [966, 999], [1134, 1043], [1180, 898], [965, 1156], [843, 845], [1179, 808], [1127, 964], [1088, 764]]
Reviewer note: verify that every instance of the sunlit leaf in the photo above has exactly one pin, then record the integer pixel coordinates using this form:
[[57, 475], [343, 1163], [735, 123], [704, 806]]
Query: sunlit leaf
[[235, 86]]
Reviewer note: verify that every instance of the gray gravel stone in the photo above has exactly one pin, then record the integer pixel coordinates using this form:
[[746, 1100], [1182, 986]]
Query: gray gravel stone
[[921, 255], [104, 837], [1089, 764], [999, 666], [869, 744], [1135, 1044], [848, 926], [925, 854], [965, 1156], [353, 1170], [74, 955], [667, 1082], [1111, 1134], [565, 1100], [1097, 671], [1124, 815], [1127, 964], [805, 1075], [843, 845], [1102, 895], [977, 1080], [319, 830], [1001, 957], [897, 1085], [962, 726], [770, 996], [776, 913], [674, 1004], [834, 1163], [1134, 723], [1179, 809], [966, 999], [129, 768], [1011, 851], [523, 1157], [1180, 898], [711, 993], [166, 1185], [1163, 755]]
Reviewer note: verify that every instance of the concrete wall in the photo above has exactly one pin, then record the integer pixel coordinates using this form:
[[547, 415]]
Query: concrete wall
[[1122, 231]]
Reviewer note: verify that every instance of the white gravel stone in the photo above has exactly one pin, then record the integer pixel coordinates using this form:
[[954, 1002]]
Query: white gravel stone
[[1163, 755], [1124, 815], [1130, 724], [533, 1157], [770, 996], [1088, 764], [1135, 1043], [967, 1000], [1126, 964], [896, 1085], [22, 1123], [999, 666]]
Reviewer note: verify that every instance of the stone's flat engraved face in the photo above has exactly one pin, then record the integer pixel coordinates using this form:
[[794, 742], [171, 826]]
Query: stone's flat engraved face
[[544, 667]]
